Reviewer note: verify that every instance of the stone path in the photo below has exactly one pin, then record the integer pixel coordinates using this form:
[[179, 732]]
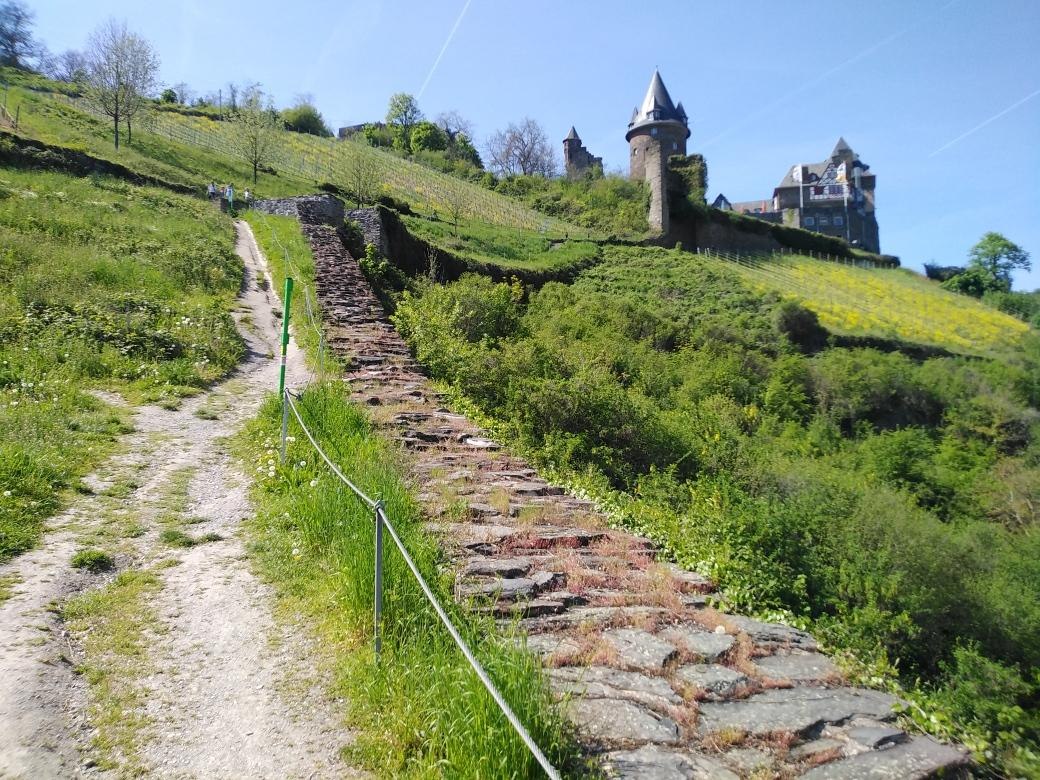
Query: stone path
[[659, 684]]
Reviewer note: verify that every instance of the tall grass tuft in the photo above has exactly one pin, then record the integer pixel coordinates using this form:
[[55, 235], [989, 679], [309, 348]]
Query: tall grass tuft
[[421, 712]]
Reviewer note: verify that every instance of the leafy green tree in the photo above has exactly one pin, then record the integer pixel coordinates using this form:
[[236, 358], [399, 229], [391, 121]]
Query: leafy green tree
[[973, 281], [998, 257], [305, 118], [426, 136], [403, 114], [168, 96], [462, 148]]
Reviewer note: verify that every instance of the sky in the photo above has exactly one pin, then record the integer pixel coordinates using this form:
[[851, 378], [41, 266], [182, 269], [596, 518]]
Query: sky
[[940, 97]]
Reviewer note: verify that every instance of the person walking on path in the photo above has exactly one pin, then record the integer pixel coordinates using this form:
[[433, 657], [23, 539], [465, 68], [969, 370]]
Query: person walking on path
[[230, 193], [211, 190], [247, 197]]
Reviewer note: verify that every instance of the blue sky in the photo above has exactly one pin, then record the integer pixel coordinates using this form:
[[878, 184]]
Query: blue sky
[[940, 97]]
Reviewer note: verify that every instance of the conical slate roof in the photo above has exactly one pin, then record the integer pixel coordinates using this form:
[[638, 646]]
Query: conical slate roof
[[572, 135], [657, 107], [840, 148]]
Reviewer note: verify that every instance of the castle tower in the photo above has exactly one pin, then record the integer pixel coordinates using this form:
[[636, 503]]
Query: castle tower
[[658, 129], [576, 158]]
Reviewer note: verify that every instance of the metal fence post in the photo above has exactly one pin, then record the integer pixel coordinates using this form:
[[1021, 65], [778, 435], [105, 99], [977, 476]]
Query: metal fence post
[[285, 424], [285, 331], [379, 579]]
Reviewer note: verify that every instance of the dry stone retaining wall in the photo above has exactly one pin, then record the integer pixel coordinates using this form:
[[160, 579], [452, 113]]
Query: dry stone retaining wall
[[658, 683], [309, 209]]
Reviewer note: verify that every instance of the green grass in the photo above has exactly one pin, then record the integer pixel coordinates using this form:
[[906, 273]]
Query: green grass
[[176, 538], [421, 712], [111, 625], [104, 285], [55, 120], [289, 254], [481, 243], [94, 561]]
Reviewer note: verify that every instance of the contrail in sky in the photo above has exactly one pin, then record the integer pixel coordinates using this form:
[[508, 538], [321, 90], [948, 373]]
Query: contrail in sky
[[444, 48], [993, 118], [822, 77]]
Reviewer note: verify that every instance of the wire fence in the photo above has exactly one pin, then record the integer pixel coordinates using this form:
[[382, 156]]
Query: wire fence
[[383, 523]]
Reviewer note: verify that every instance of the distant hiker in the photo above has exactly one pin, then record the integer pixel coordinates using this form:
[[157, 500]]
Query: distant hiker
[[247, 198], [211, 190], [229, 191]]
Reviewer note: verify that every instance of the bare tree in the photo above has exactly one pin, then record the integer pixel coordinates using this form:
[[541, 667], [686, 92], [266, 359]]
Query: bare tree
[[453, 123], [232, 91], [361, 178], [70, 66], [522, 149], [255, 124], [184, 93], [456, 202], [17, 45], [121, 70]]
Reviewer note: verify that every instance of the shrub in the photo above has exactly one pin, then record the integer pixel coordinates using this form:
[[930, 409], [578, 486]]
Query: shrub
[[800, 326]]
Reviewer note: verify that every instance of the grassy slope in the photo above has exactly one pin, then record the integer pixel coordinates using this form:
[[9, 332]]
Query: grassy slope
[[507, 247], [896, 304], [52, 119], [107, 285], [194, 149], [889, 304]]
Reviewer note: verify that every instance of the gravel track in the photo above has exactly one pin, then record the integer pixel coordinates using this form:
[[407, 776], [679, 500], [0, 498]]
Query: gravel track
[[229, 691]]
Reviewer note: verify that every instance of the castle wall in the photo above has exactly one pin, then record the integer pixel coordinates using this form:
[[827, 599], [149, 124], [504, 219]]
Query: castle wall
[[577, 159]]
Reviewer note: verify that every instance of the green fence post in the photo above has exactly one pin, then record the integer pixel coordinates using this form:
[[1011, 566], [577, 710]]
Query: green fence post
[[285, 334]]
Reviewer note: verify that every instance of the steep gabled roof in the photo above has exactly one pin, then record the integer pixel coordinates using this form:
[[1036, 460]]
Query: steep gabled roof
[[657, 107], [572, 135]]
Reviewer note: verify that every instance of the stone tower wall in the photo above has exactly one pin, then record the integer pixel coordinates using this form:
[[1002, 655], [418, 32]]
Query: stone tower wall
[[648, 156]]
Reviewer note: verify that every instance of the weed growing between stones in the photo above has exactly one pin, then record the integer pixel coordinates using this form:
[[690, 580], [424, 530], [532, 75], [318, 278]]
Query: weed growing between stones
[[421, 712]]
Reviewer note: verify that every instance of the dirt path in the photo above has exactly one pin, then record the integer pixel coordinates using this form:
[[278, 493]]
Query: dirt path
[[223, 690]]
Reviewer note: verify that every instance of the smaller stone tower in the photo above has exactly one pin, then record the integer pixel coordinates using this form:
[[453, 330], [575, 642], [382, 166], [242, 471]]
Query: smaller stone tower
[[576, 158], [658, 129]]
